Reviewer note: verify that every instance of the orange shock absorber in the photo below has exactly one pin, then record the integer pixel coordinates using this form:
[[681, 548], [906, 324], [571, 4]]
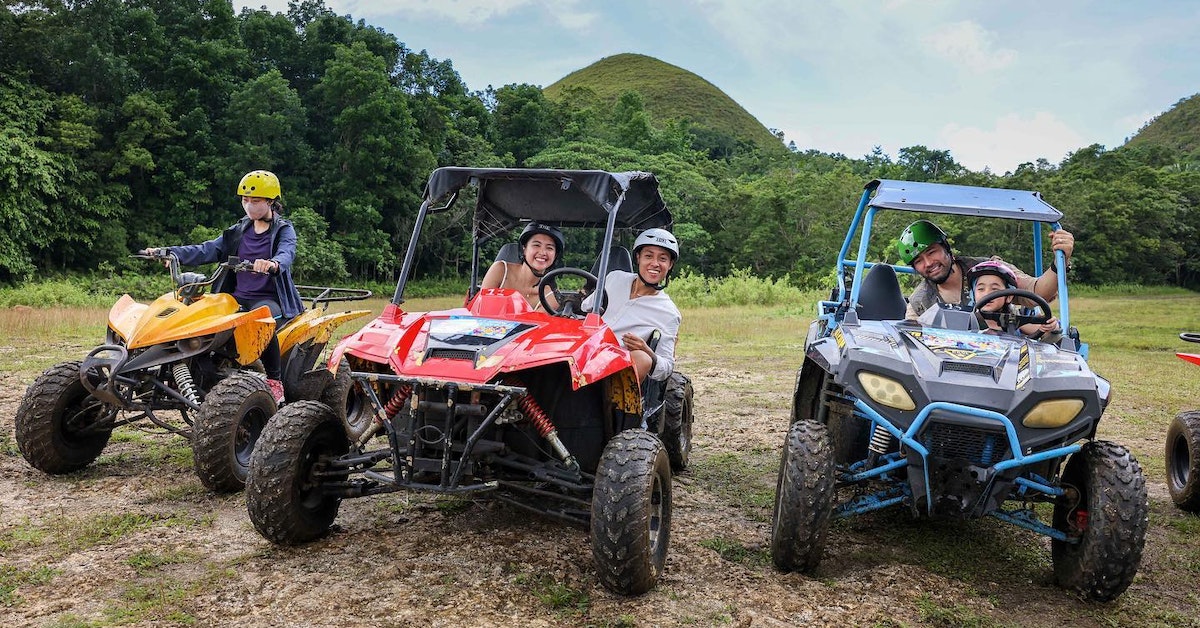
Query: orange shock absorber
[[390, 409], [545, 427], [529, 406], [397, 401]]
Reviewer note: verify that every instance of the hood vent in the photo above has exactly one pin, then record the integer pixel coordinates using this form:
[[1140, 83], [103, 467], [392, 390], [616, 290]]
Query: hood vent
[[452, 354], [971, 368]]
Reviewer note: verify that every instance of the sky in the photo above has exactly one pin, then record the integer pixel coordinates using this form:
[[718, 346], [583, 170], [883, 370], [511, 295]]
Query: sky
[[996, 83]]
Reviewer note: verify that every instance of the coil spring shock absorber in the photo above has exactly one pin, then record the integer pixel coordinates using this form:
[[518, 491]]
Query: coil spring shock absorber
[[397, 401], [545, 427], [390, 410], [881, 440], [183, 379]]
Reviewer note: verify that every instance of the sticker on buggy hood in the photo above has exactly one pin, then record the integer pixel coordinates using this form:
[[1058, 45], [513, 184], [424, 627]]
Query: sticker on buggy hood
[[471, 326], [961, 345]]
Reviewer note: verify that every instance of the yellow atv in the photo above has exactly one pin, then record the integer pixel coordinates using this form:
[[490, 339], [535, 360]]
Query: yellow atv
[[187, 351]]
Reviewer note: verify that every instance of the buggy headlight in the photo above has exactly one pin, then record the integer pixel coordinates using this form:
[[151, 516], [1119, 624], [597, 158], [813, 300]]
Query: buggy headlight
[[886, 391], [1053, 413]]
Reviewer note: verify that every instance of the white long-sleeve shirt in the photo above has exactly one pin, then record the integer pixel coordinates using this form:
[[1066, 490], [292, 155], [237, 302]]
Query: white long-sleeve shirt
[[641, 316]]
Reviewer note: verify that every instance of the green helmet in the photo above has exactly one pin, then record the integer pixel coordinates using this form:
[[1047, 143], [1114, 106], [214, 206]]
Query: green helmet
[[919, 236]]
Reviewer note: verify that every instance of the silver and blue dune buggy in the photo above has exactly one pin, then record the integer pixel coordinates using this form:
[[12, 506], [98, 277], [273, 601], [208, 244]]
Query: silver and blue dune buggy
[[939, 419]]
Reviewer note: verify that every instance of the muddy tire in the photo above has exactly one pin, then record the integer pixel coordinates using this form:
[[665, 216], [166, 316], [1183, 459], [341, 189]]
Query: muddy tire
[[352, 410], [677, 431], [226, 429], [804, 496], [52, 422], [631, 512], [1183, 460], [1106, 508], [283, 497]]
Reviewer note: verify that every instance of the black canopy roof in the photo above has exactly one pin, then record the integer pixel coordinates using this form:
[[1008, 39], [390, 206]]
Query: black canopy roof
[[571, 198]]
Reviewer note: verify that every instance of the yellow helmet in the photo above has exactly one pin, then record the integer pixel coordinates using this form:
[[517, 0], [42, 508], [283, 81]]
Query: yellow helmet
[[260, 183]]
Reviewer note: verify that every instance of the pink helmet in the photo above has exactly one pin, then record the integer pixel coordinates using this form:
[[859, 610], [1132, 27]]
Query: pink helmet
[[992, 267]]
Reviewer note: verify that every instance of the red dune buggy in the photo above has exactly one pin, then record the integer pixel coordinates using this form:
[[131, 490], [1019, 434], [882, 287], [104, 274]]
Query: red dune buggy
[[540, 409]]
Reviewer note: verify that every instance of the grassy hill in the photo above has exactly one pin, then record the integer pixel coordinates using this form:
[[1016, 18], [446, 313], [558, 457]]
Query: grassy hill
[[670, 93], [1177, 128]]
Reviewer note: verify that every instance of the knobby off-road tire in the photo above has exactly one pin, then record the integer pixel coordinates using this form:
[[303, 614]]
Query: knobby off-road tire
[[226, 429], [1183, 460], [804, 496], [283, 497], [352, 410], [631, 512], [677, 430], [1112, 491], [48, 422]]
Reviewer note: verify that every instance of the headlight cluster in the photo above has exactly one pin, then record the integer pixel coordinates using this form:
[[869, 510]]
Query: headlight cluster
[[1053, 413], [886, 391]]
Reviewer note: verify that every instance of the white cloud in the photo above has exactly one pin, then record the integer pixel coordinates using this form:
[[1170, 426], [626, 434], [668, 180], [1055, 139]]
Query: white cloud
[[967, 44], [1012, 141]]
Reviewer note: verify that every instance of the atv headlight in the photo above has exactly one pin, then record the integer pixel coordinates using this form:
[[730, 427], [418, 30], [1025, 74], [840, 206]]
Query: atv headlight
[[886, 391], [1053, 413]]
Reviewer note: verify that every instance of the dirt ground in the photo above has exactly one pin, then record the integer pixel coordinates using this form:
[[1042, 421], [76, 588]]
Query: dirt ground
[[193, 558]]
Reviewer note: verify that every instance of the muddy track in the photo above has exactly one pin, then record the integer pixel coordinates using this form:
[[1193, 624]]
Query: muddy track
[[182, 555]]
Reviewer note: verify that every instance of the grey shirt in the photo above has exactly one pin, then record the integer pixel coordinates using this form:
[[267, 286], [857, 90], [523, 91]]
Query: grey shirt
[[641, 316]]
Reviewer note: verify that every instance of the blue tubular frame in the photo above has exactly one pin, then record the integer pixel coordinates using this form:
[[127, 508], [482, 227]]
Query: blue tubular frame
[[908, 438]]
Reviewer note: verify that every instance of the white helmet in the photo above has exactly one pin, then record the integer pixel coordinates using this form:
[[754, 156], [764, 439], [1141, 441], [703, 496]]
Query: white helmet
[[657, 237]]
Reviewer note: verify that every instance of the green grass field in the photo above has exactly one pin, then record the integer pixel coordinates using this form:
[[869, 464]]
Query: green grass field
[[746, 357]]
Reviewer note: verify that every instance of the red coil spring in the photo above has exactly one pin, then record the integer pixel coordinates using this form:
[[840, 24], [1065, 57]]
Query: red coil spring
[[536, 415], [397, 401]]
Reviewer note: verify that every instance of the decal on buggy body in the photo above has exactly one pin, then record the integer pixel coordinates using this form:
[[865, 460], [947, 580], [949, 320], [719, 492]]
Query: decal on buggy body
[[960, 345], [1023, 373], [471, 326]]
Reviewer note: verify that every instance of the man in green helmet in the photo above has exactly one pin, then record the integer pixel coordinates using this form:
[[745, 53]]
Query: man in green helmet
[[926, 248]]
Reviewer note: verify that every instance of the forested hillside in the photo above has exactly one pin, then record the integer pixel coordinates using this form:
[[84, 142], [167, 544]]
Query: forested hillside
[[127, 123]]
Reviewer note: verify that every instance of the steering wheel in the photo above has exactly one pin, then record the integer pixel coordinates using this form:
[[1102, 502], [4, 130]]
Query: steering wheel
[[1013, 321], [570, 302]]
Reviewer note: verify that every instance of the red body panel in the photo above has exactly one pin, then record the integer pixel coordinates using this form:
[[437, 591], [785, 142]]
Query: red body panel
[[401, 339], [1190, 357]]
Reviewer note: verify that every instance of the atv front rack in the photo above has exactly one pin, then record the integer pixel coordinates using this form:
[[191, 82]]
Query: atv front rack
[[454, 470], [998, 459]]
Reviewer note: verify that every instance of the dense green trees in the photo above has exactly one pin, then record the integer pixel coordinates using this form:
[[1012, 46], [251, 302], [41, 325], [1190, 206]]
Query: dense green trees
[[127, 123]]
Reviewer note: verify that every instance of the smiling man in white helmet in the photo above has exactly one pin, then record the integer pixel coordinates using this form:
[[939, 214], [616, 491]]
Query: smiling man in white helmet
[[637, 305]]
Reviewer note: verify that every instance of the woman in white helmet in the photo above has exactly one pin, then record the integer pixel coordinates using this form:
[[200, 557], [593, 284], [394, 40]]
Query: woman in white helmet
[[637, 305]]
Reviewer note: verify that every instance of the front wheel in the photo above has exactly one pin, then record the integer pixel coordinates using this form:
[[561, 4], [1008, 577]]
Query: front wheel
[[677, 430], [227, 427], [631, 512], [804, 495], [59, 425], [284, 497], [1183, 460], [1104, 513]]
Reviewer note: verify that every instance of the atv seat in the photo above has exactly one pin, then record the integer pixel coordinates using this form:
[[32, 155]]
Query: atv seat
[[879, 298], [618, 259]]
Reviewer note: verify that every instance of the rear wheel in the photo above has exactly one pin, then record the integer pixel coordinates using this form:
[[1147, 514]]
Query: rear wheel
[[1183, 460], [283, 494], [227, 427], [352, 410], [803, 498], [1105, 513], [677, 431], [56, 422], [631, 512]]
